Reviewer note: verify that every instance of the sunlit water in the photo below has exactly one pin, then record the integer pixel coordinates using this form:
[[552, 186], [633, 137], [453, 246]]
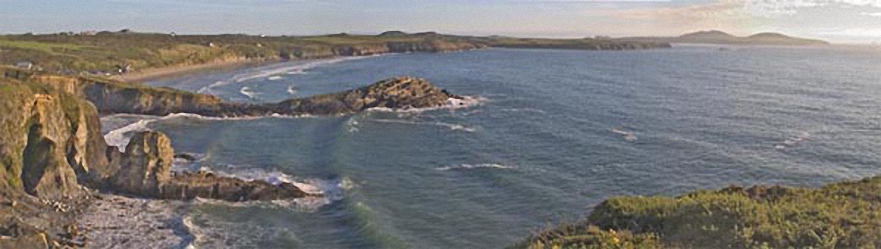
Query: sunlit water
[[557, 132]]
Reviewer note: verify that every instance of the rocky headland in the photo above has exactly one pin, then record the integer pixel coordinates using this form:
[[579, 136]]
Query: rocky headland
[[110, 96], [55, 160]]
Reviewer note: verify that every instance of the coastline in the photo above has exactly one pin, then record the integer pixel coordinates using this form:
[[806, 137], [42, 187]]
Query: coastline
[[173, 71]]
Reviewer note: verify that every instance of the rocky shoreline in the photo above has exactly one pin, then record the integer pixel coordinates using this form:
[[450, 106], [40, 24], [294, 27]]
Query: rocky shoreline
[[59, 170]]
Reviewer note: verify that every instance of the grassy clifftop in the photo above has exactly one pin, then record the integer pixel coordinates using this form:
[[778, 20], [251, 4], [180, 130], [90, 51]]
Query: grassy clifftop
[[841, 215], [109, 51]]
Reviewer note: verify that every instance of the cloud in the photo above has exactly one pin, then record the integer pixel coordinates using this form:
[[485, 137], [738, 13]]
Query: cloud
[[875, 14], [770, 8]]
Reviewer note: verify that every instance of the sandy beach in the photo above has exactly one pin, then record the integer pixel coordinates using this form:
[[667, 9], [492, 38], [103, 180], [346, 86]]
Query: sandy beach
[[158, 73]]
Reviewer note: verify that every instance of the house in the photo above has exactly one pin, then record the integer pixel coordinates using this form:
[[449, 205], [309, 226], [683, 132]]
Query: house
[[25, 65], [124, 68]]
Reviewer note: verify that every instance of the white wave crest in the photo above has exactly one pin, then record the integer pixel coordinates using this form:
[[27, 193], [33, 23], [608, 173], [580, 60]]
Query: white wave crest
[[247, 91], [292, 90], [451, 104], [628, 135], [453, 127], [275, 78], [298, 68], [120, 137], [793, 141], [475, 166]]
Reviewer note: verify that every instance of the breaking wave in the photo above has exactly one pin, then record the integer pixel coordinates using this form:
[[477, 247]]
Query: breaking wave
[[475, 166], [274, 73], [451, 104], [628, 135], [248, 92], [452, 127], [793, 141]]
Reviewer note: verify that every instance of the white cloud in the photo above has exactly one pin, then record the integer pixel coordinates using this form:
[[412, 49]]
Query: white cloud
[[789, 7], [875, 14]]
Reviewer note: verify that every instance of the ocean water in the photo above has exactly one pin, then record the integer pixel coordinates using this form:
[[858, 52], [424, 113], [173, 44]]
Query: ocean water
[[555, 133]]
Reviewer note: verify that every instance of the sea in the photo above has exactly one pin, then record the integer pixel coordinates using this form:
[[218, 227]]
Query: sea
[[552, 134]]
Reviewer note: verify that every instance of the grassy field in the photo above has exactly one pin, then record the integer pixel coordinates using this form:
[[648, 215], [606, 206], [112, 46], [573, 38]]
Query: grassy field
[[842, 215], [107, 52]]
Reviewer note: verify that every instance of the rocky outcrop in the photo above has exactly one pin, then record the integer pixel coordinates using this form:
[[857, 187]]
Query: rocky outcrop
[[188, 185], [145, 167], [396, 93], [145, 170]]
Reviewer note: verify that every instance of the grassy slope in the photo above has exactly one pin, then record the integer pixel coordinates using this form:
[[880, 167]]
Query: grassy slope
[[842, 215], [106, 50]]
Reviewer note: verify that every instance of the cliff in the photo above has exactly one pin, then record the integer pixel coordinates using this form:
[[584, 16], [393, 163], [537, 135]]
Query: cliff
[[840, 215], [51, 146]]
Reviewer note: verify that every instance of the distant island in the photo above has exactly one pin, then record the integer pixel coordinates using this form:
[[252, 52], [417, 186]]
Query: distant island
[[719, 37], [129, 55]]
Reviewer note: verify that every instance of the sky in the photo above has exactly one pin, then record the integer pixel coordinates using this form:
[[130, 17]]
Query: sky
[[841, 21]]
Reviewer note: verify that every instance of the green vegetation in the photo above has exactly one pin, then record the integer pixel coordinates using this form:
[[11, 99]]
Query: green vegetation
[[108, 52], [842, 215]]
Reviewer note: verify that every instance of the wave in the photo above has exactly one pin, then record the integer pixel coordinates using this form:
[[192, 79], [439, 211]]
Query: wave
[[299, 68], [453, 127], [475, 166], [533, 110], [274, 78], [209, 231], [292, 90], [120, 137], [248, 92], [451, 104], [628, 135], [793, 141]]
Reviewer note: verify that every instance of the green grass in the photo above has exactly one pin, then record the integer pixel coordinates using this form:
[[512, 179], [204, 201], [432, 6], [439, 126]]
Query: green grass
[[843, 215], [40, 46], [104, 52]]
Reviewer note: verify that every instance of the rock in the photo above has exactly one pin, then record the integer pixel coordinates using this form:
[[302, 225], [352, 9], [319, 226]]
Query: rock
[[146, 164], [186, 186], [35, 241], [185, 156], [145, 170], [395, 93]]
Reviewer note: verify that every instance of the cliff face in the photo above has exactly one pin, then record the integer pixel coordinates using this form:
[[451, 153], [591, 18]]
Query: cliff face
[[51, 145], [47, 138]]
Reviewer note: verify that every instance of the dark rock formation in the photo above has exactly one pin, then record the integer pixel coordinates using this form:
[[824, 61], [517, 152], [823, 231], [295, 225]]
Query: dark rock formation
[[186, 185], [145, 170], [145, 167], [396, 93]]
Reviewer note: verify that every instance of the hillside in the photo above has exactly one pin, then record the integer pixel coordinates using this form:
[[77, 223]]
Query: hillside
[[111, 53], [719, 37], [841, 215]]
